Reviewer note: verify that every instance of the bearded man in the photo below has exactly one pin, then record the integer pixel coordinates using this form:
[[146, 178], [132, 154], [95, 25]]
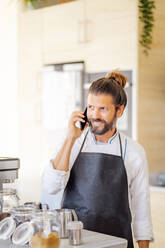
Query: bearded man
[[102, 173]]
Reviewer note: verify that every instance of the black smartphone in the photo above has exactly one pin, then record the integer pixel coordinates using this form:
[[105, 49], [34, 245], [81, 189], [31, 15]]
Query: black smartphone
[[82, 124]]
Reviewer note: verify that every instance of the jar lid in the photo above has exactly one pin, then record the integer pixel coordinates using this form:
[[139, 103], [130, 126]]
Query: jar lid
[[23, 234], [22, 210], [45, 215], [7, 227], [22, 214], [8, 191], [37, 205], [74, 225]]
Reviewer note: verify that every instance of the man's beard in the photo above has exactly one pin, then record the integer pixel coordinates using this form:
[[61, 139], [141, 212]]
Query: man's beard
[[107, 126]]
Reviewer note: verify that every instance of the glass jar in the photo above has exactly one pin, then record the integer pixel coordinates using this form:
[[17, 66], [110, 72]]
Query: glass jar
[[8, 200], [47, 228], [22, 213]]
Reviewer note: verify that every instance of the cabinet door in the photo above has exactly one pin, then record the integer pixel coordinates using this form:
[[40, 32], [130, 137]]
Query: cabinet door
[[111, 33], [62, 31]]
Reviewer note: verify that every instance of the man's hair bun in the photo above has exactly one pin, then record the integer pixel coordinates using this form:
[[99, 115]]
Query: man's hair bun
[[112, 84], [118, 77]]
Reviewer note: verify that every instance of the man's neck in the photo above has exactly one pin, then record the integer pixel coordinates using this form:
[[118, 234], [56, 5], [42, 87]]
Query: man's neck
[[105, 137]]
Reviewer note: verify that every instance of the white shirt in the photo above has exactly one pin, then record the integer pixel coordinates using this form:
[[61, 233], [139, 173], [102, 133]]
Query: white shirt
[[54, 181]]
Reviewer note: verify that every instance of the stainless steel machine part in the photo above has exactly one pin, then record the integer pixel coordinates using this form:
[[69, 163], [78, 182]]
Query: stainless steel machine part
[[8, 173], [8, 170]]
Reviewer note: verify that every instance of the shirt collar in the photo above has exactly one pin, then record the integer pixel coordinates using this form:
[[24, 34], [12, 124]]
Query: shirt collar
[[103, 143]]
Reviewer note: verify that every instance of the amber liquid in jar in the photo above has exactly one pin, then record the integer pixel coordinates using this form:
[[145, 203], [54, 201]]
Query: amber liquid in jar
[[52, 241]]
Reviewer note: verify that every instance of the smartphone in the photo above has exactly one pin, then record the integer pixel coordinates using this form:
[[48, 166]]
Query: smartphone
[[82, 124]]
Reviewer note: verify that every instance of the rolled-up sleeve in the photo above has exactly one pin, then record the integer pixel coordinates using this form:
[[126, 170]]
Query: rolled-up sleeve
[[53, 180], [140, 200]]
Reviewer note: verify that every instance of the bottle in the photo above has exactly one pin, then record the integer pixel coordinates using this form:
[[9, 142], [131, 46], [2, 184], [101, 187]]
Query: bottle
[[47, 228]]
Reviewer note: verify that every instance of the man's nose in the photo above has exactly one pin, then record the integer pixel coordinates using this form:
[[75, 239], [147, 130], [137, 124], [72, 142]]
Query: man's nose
[[96, 114]]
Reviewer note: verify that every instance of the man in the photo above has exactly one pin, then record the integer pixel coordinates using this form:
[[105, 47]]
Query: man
[[103, 173]]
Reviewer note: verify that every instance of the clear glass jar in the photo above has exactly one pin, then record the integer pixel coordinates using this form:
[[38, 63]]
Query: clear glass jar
[[8, 200], [46, 222], [22, 213], [47, 228]]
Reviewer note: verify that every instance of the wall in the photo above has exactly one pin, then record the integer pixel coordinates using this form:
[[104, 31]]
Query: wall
[[8, 80], [151, 95], [30, 64], [151, 114]]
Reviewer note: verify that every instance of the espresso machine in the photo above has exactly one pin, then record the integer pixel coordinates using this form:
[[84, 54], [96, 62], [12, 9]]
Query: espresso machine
[[8, 170]]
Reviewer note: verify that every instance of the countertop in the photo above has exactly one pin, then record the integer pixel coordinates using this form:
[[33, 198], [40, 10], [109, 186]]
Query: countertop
[[90, 240], [157, 189]]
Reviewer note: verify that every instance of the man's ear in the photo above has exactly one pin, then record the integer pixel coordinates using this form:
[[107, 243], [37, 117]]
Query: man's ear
[[120, 111]]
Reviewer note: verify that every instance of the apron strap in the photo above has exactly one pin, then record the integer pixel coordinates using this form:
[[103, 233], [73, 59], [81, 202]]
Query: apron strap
[[121, 149], [62, 201], [83, 142]]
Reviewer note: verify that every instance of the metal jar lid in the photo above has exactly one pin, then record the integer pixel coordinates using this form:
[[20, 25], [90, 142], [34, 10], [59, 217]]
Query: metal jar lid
[[75, 225], [23, 234], [7, 228]]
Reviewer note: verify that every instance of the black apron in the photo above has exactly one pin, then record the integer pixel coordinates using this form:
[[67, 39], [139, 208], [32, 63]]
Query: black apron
[[98, 191]]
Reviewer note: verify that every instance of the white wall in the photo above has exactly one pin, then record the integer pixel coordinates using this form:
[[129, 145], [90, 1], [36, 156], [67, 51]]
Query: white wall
[[8, 80]]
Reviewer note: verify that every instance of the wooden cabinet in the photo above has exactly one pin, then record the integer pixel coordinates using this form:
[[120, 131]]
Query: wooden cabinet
[[111, 30], [158, 219], [93, 31], [62, 32]]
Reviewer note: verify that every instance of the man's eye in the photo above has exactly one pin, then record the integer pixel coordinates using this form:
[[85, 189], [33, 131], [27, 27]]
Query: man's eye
[[102, 108]]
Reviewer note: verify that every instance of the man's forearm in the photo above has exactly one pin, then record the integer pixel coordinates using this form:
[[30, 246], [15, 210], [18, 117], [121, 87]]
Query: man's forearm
[[61, 161], [143, 243]]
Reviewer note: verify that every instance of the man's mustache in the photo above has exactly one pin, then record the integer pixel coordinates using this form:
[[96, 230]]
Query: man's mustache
[[96, 120]]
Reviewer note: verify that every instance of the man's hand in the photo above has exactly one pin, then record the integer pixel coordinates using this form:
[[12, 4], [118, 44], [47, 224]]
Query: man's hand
[[73, 131], [61, 162], [143, 243]]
